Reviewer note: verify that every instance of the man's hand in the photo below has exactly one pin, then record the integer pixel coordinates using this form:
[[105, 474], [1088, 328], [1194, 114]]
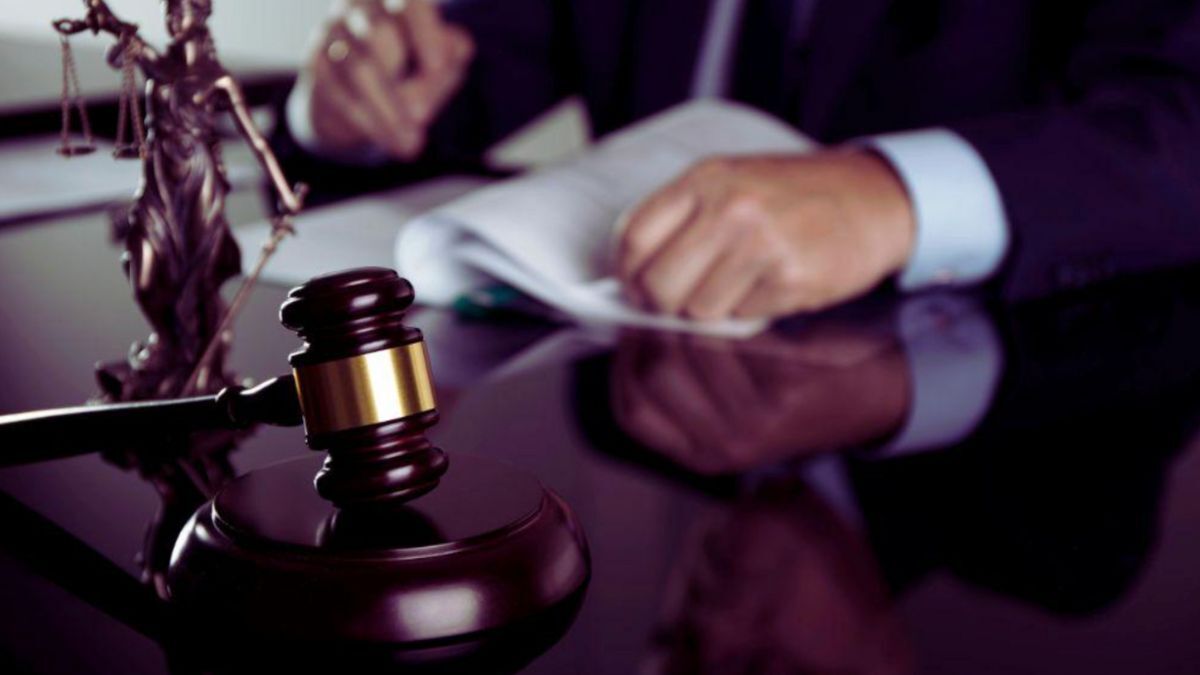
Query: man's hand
[[767, 236], [381, 74]]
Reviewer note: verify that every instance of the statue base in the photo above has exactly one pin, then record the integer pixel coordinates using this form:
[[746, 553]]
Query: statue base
[[270, 561]]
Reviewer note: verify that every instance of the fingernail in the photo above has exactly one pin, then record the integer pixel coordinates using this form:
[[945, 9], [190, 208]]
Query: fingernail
[[358, 22]]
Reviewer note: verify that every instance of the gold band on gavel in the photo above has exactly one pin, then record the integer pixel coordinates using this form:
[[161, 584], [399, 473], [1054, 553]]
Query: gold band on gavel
[[367, 389]]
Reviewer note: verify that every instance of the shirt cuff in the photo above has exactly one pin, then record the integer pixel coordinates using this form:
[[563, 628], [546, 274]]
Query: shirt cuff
[[955, 360], [962, 231]]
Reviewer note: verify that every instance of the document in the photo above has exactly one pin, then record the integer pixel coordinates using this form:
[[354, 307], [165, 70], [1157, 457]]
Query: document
[[551, 234]]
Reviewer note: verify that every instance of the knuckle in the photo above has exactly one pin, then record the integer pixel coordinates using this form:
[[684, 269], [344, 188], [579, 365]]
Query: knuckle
[[746, 208], [759, 254], [636, 242], [789, 277]]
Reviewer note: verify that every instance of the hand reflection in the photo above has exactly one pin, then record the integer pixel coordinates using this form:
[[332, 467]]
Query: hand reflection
[[779, 587], [719, 406]]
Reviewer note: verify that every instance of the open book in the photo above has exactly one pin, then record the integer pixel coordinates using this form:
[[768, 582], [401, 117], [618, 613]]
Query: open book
[[551, 234]]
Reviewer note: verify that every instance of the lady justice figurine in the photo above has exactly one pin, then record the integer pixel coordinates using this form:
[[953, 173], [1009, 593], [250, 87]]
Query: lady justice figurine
[[179, 249]]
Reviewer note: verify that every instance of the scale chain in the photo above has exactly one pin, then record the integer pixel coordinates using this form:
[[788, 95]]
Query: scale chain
[[72, 95], [129, 112]]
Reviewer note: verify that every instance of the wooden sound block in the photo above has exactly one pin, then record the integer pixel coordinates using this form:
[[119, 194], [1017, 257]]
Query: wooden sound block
[[269, 558]]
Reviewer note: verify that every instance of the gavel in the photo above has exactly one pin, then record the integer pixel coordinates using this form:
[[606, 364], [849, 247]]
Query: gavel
[[360, 384], [363, 559]]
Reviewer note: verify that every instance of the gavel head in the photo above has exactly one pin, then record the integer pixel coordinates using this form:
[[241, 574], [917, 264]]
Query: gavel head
[[364, 385]]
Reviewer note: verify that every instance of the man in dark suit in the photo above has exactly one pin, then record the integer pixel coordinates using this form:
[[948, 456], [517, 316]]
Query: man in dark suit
[[1034, 145]]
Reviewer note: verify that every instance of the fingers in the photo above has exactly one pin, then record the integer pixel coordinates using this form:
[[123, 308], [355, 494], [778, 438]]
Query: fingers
[[434, 60], [337, 116], [365, 92], [699, 246], [431, 40], [426, 90], [352, 84], [703, 264], [385, 36], [671, 276], [729, 280], [651, 225], [766, 299], [384, 70]]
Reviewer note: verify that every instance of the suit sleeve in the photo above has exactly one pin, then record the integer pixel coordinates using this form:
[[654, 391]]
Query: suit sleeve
[[1104, 179]]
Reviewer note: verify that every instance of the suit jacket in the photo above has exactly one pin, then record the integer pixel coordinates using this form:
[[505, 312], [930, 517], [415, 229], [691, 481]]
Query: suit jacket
[[1087, 112]]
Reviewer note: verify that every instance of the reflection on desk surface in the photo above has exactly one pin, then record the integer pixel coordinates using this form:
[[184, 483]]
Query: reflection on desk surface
[[924, 486]]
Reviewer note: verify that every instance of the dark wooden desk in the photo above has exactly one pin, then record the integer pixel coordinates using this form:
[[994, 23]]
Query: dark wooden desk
[[1061, 537]]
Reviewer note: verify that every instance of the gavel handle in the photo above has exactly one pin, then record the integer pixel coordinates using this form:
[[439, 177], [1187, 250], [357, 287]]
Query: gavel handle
[[63, 432]]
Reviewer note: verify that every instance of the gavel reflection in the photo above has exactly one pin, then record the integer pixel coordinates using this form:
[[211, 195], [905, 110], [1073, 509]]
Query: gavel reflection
[[360, 384]]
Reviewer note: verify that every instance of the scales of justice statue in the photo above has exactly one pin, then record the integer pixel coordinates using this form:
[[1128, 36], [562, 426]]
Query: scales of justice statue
[[178, 247], [397, 545]]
